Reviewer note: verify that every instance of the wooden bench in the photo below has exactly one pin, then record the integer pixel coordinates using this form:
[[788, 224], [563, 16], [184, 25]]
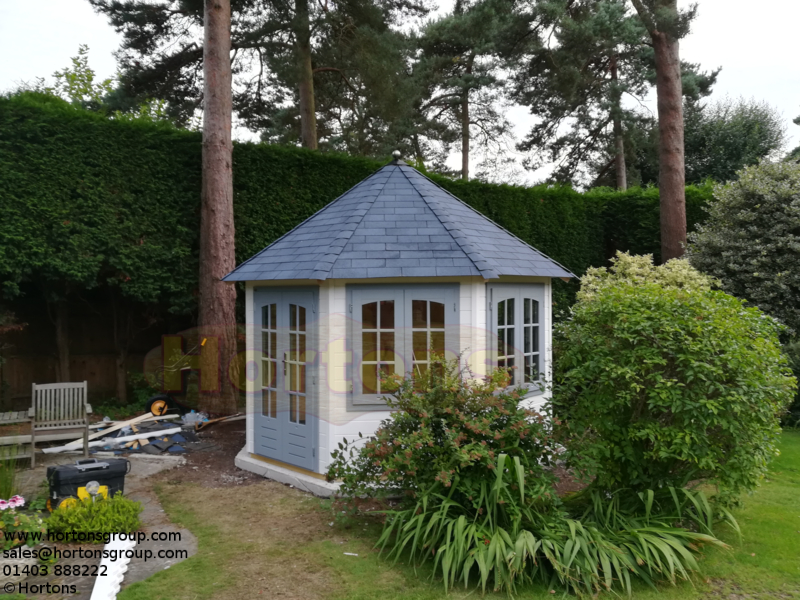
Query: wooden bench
[[59, 406], [15, 416]]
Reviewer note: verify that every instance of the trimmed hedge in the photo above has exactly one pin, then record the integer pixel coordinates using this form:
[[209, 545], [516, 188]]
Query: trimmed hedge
[[86, 201]]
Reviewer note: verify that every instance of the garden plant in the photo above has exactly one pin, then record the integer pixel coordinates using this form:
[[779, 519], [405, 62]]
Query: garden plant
[[661, 380], [751, 244], [99, 515], [14, 524], [472, 468]]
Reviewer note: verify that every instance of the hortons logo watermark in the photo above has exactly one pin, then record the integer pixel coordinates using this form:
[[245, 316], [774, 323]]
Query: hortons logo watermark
[[342, 355]]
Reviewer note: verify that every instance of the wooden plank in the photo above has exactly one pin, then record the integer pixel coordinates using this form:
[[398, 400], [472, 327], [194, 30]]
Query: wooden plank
[[127, 438], [145, 417]]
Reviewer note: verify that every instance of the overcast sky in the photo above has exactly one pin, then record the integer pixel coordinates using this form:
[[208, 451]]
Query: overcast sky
[[755, 43]]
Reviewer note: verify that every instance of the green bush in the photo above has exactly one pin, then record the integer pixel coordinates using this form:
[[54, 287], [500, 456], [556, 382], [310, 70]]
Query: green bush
[[751, 241], [660, 381], [479, 501], [117, 514], [445, 426], [509, 537]]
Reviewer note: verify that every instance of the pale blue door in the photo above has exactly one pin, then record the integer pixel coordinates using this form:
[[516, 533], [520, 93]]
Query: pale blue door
[[285, 419]]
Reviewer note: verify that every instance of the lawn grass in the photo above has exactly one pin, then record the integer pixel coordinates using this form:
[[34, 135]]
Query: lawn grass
[[271, 541]]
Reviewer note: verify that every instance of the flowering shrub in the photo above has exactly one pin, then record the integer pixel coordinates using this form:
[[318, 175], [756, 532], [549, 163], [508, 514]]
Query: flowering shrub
[[660, 384], [446, 427], [117, 514], [14, 525]]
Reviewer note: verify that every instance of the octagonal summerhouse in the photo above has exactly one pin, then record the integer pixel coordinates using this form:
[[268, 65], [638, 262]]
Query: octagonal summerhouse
[[394, 266]]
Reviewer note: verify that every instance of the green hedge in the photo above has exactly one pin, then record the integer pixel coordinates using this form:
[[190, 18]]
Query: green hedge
[[86, 201]]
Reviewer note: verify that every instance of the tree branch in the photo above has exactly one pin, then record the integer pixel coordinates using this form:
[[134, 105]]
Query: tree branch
[[645, 16]]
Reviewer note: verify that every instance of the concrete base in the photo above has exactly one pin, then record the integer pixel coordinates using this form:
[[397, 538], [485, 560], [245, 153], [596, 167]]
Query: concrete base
[[301, 481]]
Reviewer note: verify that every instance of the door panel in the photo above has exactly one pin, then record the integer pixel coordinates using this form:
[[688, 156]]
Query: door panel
[[285, 425]]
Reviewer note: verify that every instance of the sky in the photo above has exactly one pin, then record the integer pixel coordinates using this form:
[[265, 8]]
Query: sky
[[755, 43]]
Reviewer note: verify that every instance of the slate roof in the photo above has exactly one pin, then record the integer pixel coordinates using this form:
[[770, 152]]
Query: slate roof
[[396, 223]]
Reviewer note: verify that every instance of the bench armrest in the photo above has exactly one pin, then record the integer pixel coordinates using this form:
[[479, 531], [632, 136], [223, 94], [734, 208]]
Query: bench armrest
[[88, 408]]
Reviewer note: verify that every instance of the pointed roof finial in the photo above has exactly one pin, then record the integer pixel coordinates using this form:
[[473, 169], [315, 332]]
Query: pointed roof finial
[[397, 154]]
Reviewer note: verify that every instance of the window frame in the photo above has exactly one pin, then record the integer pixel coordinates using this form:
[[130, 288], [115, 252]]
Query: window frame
[[501, 292], [403, 296]]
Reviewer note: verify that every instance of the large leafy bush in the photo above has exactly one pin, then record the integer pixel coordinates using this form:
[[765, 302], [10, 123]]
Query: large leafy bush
[[445, 426], [660, 380], [751, 240], [479, 502]]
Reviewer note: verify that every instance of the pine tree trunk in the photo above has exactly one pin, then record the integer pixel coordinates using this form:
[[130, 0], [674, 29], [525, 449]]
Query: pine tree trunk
[[62, 340], [619, 157], [465, 136], [619, 142], [217, 300], [305, 76], [672, 177], [465, 123]]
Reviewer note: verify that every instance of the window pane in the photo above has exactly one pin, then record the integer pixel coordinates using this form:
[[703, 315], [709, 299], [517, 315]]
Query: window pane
[[437, 341], [369, 345], [369, 379], [292, 408], [437, 315], [385, 370], [369, 315], [420, 345], [535, 335], [526, 311], [266, 373], [501, 342], [291, 385], [419, 373], [272, 320], [292, 317], [265, 349], [301, 417], [301, 384], [387, 314], [501, 313], [534, 312], [273, 338], [419, 314], [293, 346], [535, 367], [265, 317], [509, 341], [302, 318], [510, 312], [527, 335], [301, 356], [273, 403], [387, 345]]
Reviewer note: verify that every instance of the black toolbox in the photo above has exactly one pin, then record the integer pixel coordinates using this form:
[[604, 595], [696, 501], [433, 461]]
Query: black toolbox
[[69, 481]]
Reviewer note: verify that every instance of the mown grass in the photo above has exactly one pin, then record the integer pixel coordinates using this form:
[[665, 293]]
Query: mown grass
[[270, 541]]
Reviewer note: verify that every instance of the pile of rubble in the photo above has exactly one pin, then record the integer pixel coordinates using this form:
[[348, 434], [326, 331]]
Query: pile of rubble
[[148, 433]]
